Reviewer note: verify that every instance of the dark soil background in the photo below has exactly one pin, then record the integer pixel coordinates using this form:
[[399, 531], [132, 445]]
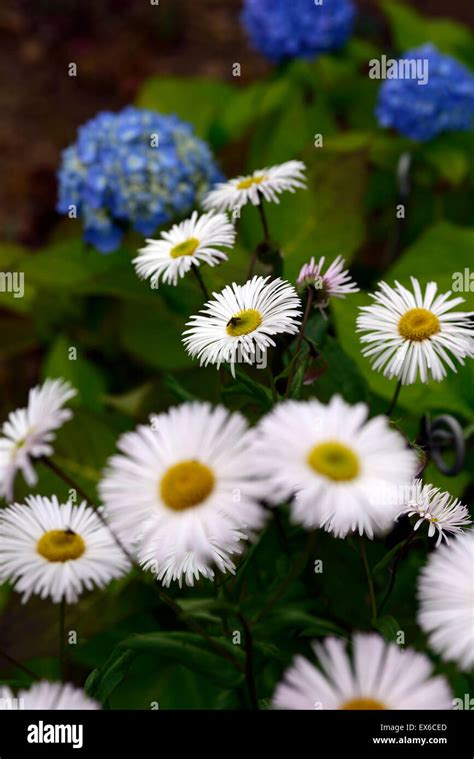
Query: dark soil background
[[115, 44]]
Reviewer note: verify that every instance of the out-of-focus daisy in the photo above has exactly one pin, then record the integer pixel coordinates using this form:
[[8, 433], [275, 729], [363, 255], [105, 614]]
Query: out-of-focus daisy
[[184, 491], [446, 596], [47, 696], [345, 472], [192, 242], [411, 334], [444, 513], [28, 432], [240, 321], [335, 283], [378, 676], [56, 550], [268, 183]]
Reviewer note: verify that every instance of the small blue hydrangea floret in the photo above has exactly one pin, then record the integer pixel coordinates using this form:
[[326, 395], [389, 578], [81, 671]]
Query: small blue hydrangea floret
[[423, 111], [282, 29], [137, 168]]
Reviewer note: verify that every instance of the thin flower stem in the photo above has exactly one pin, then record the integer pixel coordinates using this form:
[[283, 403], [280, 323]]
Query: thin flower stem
[[19, 665], [163, 596], [266, 236], [200, 281], [394, 400], [61, 641], [263, 219], [370, 583], [394, 569], [253, 262], [272, 385], [309, 305], [249, 674], [198, 629], [284, 585]]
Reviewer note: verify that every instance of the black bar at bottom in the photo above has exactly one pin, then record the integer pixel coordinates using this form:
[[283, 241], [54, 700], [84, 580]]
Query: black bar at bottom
[[137, 733]]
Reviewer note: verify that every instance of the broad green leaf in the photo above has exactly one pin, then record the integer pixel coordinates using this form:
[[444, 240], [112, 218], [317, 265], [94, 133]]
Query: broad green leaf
[[388, 626], [101, 684], [410, 29], [193, 99], [191, 651], [81, 373]]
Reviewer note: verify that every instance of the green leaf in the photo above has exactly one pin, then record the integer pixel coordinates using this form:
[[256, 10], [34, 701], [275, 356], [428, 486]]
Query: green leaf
[[193, 99], [410, 29], [191, 651], [308, 625], [388, 627], [81, 373], [101, 684], [178, 390], [387, 559], [450, 160], [438, 245], [245, 385], [153, 334], [342, 375]]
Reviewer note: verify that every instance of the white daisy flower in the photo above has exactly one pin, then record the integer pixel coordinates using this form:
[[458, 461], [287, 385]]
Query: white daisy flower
[[335, 283], [185, 490], [378, 676], [239, 322], [446, 596], [192, 242], [56, 550], [47, 696], [444, 513], [28, 432], [345, 472], [411, 334], [267, 183]]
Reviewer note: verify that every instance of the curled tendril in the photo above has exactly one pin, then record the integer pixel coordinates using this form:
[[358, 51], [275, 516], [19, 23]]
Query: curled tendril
[[441, 436]]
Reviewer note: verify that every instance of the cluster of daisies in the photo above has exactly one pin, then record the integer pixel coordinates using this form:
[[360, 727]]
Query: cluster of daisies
[[186, 491]]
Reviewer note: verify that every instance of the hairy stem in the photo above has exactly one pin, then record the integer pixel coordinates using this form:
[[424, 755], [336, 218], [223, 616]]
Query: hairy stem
[[394, 400], [301, 337], [370, 583], [200, 281]]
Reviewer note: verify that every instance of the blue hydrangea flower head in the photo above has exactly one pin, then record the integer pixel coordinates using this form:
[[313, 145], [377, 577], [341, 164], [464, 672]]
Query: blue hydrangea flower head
[[423, 111], [137, 168], [282, 29]]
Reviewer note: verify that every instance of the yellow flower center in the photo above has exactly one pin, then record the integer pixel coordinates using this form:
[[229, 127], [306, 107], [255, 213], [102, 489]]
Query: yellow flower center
[[363, 704], [186, 484], [249, 181], [60, 545], [334, 460], [244, 322], [186, 248], [418, 324]]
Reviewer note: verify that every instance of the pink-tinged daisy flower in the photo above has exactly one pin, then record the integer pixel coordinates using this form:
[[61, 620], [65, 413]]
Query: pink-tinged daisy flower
[[336, 282], [443, 513]]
